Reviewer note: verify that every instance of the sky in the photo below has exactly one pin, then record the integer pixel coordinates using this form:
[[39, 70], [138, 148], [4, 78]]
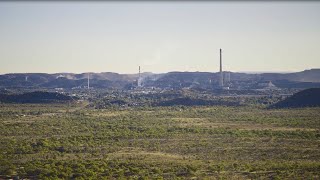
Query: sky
[[82, 36]]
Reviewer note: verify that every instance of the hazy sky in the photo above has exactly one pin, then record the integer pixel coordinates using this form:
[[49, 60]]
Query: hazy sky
[[159, 36]]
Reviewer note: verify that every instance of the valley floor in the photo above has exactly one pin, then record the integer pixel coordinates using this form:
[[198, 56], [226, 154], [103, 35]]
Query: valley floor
[[57, 141]]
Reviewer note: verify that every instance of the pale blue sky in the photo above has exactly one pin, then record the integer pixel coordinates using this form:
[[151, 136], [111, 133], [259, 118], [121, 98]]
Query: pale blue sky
[[160, 36]]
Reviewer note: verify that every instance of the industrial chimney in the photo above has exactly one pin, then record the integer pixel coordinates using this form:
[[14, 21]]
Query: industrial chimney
[[139, 78], [88, 80], [221, 73]]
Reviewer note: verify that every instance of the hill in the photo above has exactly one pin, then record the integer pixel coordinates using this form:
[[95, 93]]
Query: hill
[[34, 97], [305, 98]]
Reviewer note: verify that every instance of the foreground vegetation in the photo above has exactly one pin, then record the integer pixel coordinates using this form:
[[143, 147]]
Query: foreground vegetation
[[57, 141]]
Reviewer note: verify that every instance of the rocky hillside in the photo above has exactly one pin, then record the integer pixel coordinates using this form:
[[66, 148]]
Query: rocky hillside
[[305, 98]]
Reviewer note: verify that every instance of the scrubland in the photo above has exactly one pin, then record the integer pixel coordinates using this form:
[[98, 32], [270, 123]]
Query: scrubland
[[55, 141]]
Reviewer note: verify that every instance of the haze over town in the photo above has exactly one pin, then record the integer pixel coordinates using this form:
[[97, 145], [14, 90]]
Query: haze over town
[[53, 37]]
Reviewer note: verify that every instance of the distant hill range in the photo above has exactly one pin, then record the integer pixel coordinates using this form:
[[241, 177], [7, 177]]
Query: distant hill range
[[304, 79], [305, 98]]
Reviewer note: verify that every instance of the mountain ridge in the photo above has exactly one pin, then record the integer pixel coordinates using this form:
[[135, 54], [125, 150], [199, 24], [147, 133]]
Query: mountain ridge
[[176, 79]]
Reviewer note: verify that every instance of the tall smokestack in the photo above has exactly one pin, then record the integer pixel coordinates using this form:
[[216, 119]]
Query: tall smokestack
[[139, 78], [221, 73], [88, 80]]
